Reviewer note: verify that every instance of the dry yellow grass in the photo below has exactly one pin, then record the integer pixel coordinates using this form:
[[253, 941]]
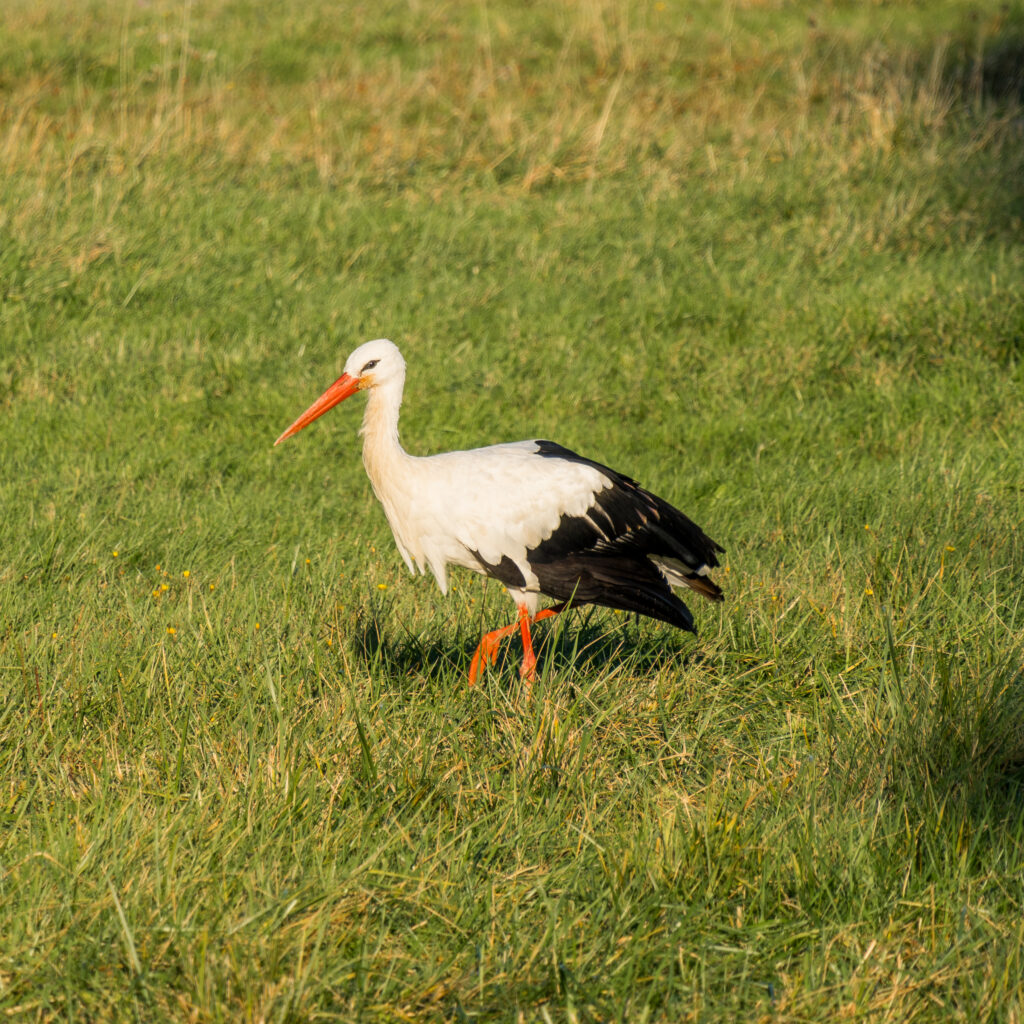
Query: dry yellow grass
[[565, 92]]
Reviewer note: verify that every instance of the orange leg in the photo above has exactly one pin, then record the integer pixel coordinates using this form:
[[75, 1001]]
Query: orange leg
[[487, 649], [528, 669]]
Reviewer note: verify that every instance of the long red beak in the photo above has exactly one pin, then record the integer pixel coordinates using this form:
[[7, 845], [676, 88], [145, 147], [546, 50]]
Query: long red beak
[[341, 389]]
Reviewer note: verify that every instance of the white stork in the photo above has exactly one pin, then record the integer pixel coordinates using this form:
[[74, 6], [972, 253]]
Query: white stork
[[532, 514]]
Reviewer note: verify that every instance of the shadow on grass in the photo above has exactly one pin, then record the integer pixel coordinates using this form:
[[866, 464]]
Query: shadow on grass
[[958, 743], [584, 641], [983, 73], [984, 765], [988, 66]]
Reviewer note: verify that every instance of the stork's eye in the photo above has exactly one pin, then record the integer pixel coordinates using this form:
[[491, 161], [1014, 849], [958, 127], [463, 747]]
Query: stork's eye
[[370, 365]]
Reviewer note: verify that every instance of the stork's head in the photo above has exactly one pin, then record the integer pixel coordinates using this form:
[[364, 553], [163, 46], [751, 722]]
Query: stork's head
[[373, 365]]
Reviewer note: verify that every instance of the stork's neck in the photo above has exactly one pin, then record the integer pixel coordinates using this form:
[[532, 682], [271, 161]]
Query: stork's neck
[[382, 451]]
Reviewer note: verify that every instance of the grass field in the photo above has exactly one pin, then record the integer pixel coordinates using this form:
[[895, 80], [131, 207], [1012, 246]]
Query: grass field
[[766, 258]]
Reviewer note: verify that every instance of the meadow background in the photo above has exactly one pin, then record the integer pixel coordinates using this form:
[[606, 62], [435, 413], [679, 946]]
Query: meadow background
[[765, 257]]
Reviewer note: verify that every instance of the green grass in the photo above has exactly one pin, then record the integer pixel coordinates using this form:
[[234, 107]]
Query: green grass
[[767, 263]]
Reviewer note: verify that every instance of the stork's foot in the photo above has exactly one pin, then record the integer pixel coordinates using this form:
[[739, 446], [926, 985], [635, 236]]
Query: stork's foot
[[487, 649], [528, 669]]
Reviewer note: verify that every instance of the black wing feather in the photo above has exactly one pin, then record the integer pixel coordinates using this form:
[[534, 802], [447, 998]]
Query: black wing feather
[[604, 558], [613, 581]]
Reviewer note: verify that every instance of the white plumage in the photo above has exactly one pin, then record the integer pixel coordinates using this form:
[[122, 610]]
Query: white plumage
[[531, 514]]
